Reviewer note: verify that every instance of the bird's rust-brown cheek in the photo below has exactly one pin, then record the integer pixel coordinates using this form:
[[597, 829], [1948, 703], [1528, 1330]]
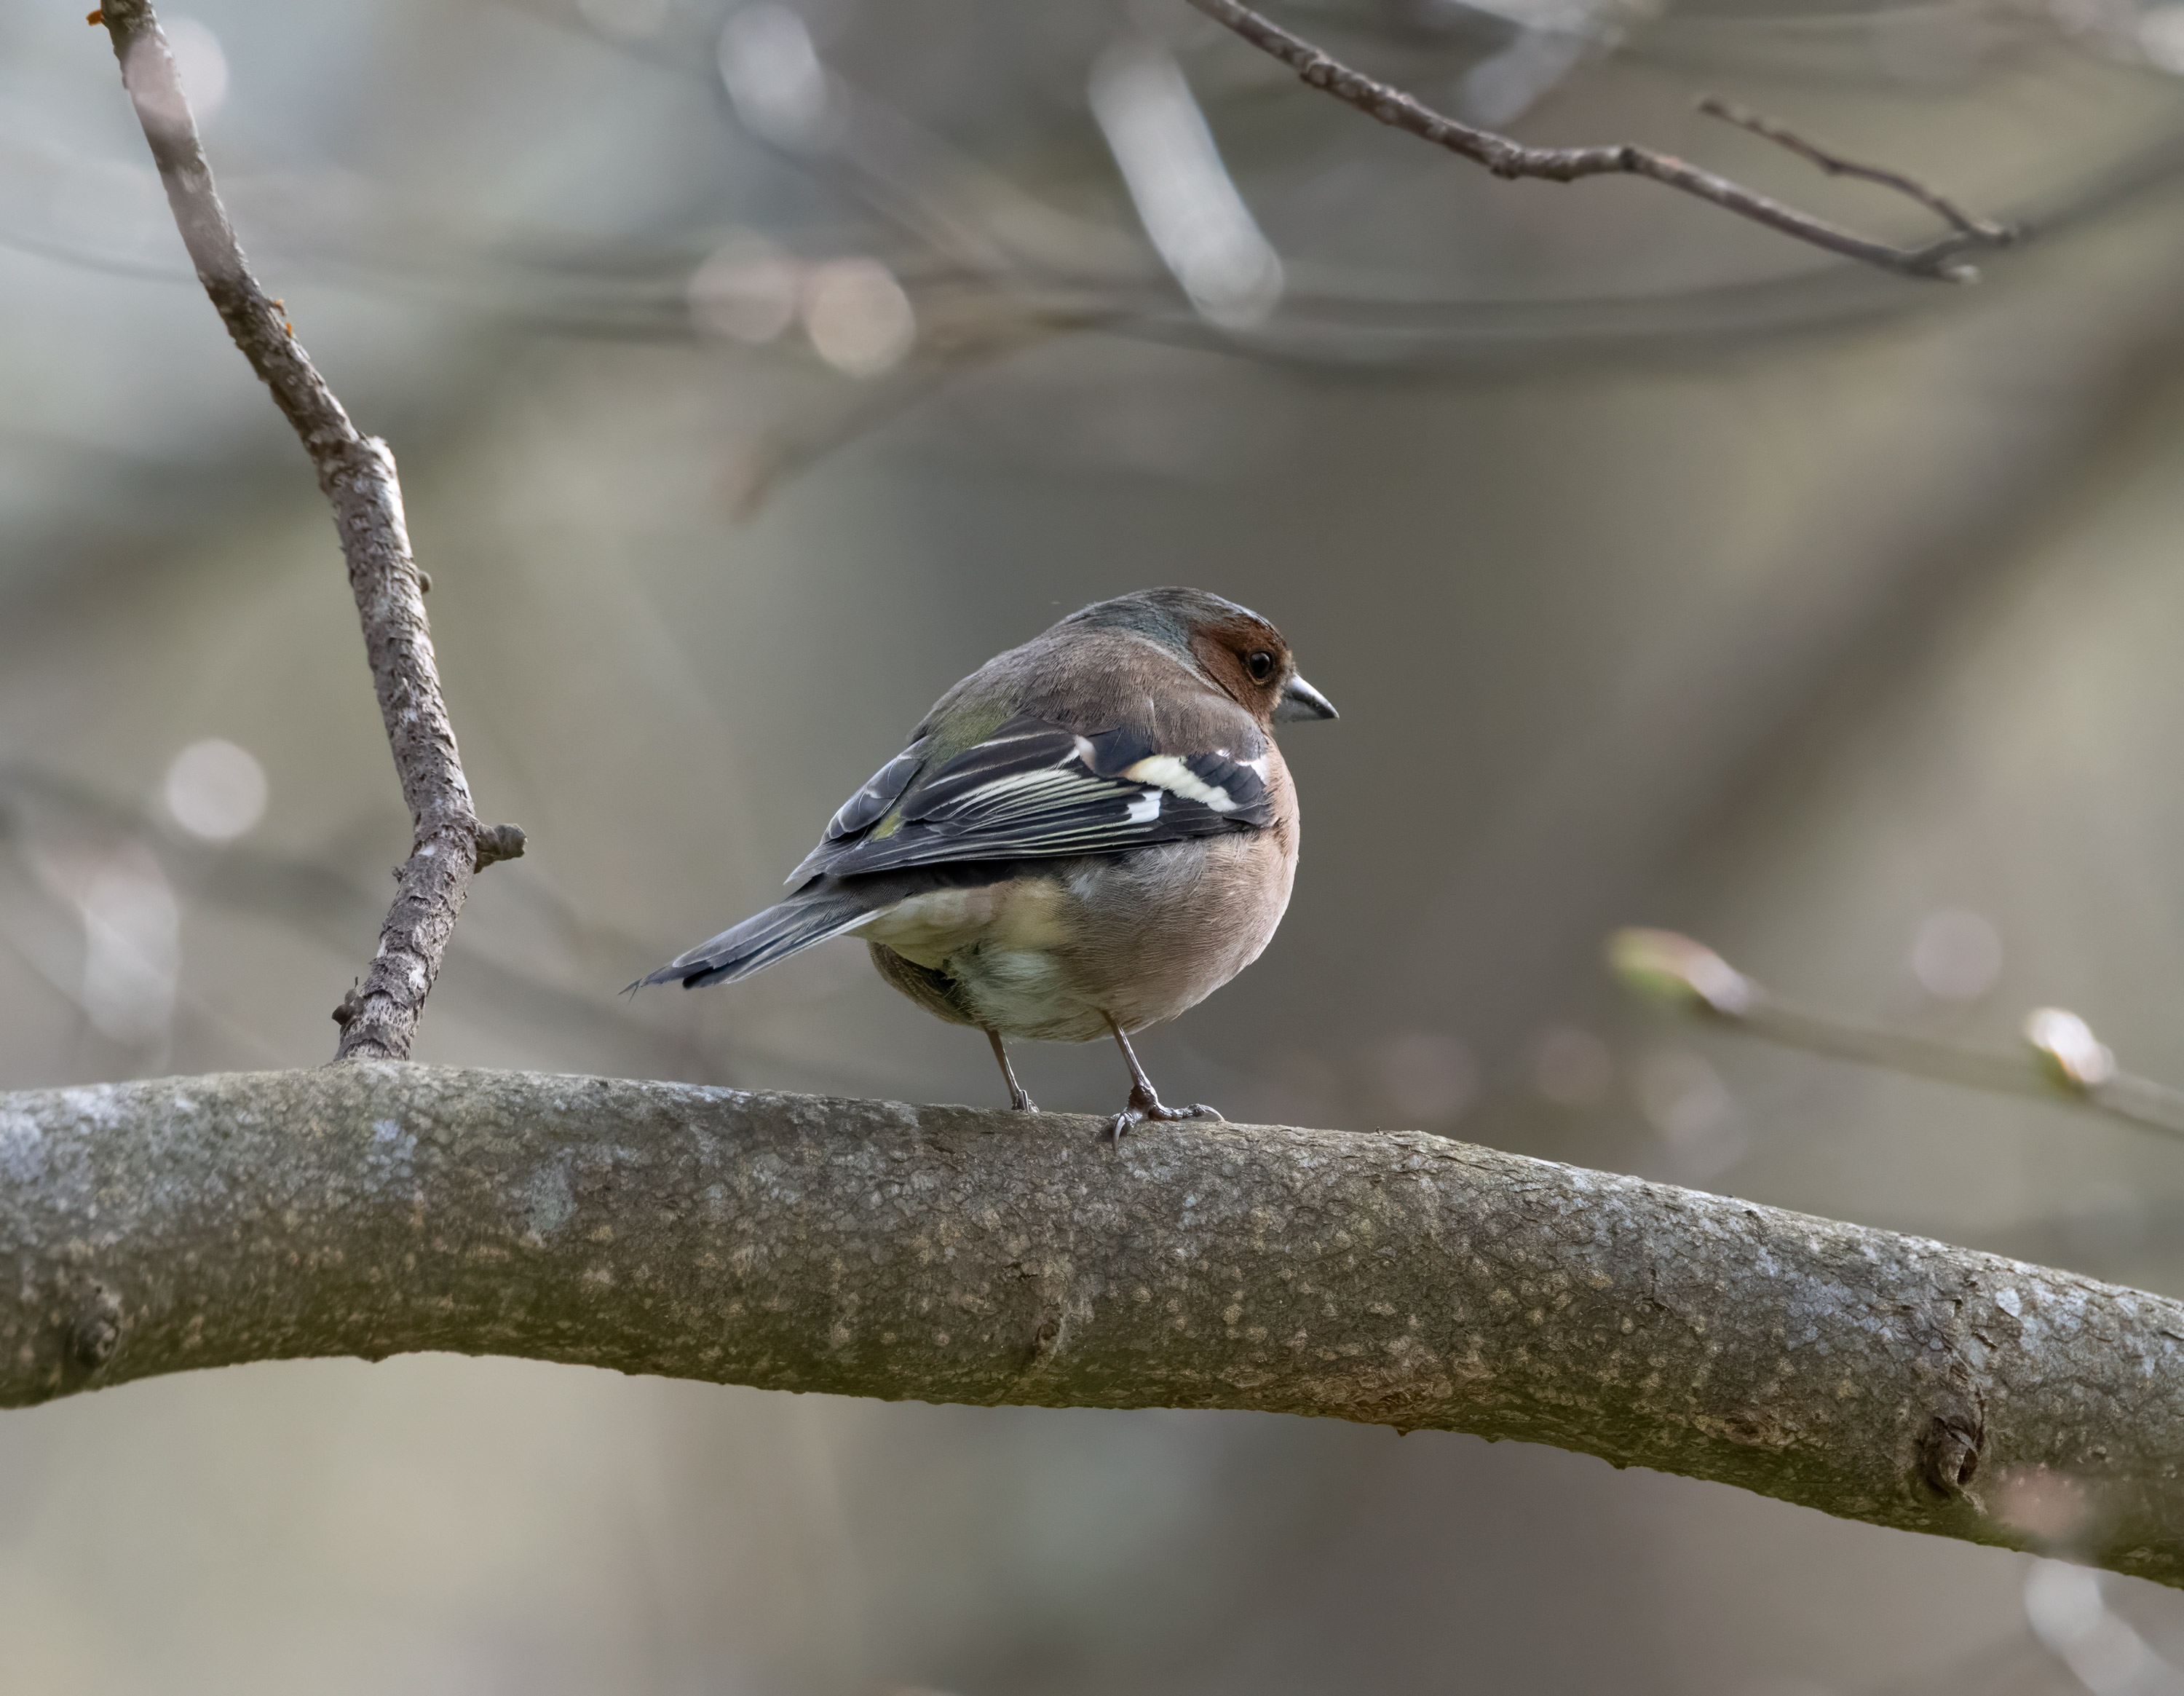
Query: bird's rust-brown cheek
[[1219, 650]]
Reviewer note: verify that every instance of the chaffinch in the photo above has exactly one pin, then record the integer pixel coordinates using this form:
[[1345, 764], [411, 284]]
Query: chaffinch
[[1085, 837]]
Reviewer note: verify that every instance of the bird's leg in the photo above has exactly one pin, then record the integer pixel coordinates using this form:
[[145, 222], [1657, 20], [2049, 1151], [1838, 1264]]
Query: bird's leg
[[1019, 1097], [1144, 1100]]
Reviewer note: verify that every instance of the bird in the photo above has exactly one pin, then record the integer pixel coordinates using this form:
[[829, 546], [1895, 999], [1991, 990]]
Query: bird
[[1085, 837]]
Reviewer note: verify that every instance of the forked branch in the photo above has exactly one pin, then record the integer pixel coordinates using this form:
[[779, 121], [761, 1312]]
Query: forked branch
[[1941, 259]]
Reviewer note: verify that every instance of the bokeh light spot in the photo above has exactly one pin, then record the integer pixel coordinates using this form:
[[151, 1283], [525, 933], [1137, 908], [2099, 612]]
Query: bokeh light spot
[[215, 789], [773, 75], [746, 290], [858, 317], [201, 63], [1956, 956]]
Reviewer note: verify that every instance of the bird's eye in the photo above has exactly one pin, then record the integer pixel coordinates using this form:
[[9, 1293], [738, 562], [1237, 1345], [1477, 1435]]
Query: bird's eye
[[1260, 665]]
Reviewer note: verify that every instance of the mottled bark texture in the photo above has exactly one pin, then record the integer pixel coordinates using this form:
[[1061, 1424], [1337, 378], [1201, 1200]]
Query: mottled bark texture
[[1941, 259], [357, 474], [948, 1255]]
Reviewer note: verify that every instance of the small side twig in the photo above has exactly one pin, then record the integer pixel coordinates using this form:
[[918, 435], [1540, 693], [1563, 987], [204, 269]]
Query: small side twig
[[1941, 259], [1833, 164], [357, 473], [2062, 1060], [501, 842]]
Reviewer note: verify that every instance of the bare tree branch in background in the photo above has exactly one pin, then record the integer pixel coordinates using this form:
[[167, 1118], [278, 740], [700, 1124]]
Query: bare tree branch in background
[[1834, 164], [357, 474], [2062, 1059], [950, 1255], [964, 334], [1941, 259]]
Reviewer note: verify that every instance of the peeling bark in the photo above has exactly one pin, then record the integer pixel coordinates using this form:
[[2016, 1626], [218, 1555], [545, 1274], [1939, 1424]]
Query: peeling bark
[[948, 1255]]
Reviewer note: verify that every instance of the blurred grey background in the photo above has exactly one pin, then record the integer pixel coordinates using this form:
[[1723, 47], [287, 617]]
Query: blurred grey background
[[755, 372]]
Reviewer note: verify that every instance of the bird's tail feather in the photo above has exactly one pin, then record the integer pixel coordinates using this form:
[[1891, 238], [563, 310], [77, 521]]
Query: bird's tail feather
[[763, 939]]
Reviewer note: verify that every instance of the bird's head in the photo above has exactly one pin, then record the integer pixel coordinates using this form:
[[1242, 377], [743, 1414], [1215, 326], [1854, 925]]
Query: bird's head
[[1234, 648]]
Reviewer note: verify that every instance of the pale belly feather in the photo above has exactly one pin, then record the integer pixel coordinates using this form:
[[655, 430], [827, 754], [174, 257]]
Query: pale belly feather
[[1141, 938]]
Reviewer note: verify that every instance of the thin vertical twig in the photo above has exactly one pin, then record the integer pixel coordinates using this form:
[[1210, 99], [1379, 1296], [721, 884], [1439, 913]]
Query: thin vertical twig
[[379, 1016]]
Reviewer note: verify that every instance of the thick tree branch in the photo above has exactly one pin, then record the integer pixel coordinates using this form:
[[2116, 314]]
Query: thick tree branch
[[357, 473], [948, 1255], [1942, 258]]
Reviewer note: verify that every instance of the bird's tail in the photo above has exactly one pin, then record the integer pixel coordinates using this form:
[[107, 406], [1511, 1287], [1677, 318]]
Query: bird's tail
[[763, 939]]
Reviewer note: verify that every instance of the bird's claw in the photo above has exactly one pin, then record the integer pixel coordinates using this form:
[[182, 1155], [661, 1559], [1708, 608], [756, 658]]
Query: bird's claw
[[1145, 1105]]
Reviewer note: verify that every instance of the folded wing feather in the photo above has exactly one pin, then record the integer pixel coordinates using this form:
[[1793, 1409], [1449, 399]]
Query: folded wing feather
[[1035, 789]]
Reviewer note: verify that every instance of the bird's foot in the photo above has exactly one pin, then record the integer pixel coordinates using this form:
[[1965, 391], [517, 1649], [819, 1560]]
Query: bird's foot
[[1145, 1105], [1020, 1101]]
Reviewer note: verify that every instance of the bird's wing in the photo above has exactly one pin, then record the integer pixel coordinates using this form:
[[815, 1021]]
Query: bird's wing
[[1035, 788]]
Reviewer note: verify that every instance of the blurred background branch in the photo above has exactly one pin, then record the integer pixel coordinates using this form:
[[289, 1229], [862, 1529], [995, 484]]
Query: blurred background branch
[[1941, 259], [2061, 1059]]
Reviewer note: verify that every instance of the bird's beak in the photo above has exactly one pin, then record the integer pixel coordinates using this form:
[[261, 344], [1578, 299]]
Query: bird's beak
[[1301, 701]]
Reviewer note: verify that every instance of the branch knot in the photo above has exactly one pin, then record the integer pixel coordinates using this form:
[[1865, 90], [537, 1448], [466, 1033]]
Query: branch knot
[[1949, 1451], [96, 1331], [499, 842]]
